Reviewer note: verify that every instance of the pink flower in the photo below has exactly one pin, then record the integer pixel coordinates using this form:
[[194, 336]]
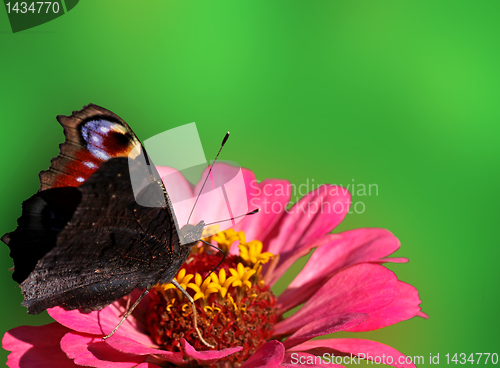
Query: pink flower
[[343, 287]]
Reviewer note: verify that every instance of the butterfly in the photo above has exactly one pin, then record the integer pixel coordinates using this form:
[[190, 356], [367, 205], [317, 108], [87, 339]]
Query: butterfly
[[86, 239]]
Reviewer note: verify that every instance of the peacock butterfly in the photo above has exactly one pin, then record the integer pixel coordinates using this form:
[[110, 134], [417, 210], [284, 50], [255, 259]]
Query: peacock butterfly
[[85, 240]]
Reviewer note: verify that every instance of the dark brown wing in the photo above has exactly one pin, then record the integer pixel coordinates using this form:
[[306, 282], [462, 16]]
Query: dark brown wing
[[86, 239], [110, 246], [92, 136], [44, 215]]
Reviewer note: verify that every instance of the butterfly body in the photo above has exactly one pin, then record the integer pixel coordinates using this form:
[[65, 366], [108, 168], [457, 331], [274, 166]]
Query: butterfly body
[[84, 241]]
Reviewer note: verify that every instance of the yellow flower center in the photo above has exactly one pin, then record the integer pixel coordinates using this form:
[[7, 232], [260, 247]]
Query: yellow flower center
[[235, 306]]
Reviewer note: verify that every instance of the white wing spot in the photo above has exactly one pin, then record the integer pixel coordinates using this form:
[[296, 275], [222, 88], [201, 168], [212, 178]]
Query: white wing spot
[[100, 154]]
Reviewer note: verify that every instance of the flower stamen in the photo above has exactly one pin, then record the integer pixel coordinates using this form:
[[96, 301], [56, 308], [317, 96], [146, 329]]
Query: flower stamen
[[233, 304]]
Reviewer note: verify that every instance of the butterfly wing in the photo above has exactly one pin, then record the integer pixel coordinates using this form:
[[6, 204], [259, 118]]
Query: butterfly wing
[[92, 136], [44, 215], [110, 246], [83, 241]]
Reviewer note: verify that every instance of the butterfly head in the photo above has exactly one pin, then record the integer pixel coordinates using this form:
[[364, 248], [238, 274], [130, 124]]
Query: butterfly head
[[191, 234]]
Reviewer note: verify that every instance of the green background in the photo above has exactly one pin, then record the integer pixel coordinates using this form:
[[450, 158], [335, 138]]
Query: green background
[[400, 94]]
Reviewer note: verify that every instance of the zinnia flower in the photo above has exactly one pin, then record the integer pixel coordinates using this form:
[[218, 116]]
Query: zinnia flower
[[343, 287]]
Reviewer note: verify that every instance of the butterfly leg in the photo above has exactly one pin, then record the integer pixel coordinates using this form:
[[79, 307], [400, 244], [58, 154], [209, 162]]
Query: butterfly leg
[[195, 315], [129, 312], [127, 307]]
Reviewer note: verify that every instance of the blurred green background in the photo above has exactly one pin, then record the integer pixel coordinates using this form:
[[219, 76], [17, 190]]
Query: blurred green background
[[404, 95]]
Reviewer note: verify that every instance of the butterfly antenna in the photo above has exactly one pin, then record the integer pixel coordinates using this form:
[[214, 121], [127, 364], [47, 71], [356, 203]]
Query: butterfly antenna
[[195, 314], [218, 264], [232, 218], [129, 312], [209, 171]]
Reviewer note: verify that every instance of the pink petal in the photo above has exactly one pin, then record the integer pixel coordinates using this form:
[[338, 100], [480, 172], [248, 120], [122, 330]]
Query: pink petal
[[271, 196], [36, 346], [341, 251], [102, 322], [139, 315], [423, 315], [223, 196], [147, 365], [207, 357], [269, 355], [300, 359], [324, 326], [131, 346], [274, 272], [356, 347], [127, 339], [316, 214], [178, 189], [363, 288], [393, 260], [94, 352], [404, 307]]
